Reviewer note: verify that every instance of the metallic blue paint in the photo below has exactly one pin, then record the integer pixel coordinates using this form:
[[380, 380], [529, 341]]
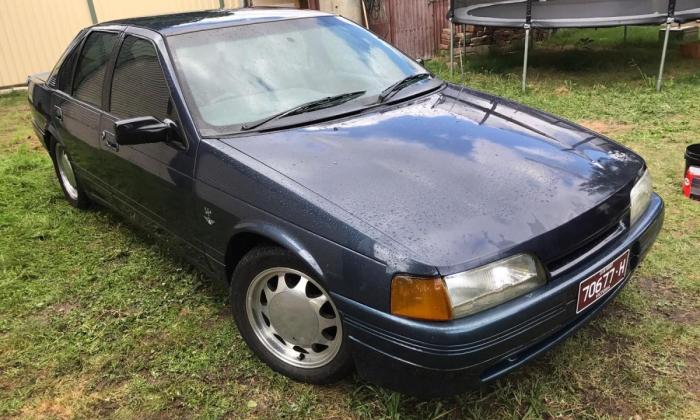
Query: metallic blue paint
[[451, 357], [433, 183]]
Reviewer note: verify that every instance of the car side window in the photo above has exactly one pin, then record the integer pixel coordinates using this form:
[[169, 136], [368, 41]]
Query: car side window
[[139, 88], [65, 72], [62, 72], [92, 67]]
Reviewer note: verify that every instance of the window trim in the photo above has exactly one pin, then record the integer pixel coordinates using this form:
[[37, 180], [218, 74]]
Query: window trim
[[108, 108], [116, 31], [58, 69], [184, 145]]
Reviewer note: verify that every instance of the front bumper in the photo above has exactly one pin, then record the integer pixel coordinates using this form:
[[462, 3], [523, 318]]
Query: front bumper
[[438, 359]]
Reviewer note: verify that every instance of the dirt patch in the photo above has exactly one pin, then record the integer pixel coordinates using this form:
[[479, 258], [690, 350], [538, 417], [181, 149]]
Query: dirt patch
[[562, 90], [54, 311], [616, 310], [10, 145], [670, 302], [63, 308], [607, 128], [614, 407], [690, 375], [613, 343], [34, 143], [60, 405]]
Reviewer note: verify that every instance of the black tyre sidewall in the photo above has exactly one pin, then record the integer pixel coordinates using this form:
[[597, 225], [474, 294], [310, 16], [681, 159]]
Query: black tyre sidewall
[[256, 261], [82, 202]]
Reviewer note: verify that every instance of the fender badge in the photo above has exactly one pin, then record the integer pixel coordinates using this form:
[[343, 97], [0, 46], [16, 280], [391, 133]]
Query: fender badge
[[207, 216]]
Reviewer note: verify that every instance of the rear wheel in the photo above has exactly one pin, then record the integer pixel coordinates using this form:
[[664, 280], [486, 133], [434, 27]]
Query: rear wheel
[[67, 178], [287, 317]]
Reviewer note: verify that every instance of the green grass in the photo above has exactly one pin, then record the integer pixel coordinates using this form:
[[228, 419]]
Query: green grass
[[97, 320]]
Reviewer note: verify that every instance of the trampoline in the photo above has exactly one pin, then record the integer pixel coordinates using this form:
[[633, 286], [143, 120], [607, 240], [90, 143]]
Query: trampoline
[[550, 14]]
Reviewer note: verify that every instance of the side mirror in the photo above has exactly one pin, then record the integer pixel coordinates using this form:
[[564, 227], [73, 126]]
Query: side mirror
[[143, 130], [420, 61]]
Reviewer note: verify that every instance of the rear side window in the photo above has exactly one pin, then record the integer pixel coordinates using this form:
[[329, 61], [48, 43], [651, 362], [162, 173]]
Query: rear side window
[[92, 66], [65, 73], [63, 70], [139, 88]]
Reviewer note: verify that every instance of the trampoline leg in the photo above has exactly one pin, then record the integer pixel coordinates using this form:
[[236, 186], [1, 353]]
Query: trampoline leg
[[625, 39], [660, 80], [461, 57], [464, 48], [527, 51], [452, 48]]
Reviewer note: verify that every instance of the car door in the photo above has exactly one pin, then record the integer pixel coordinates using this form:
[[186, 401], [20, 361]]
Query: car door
[[151, 183], [77, 103]]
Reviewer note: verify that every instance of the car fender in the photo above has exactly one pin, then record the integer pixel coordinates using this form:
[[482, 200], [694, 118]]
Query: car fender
[[281, 237]]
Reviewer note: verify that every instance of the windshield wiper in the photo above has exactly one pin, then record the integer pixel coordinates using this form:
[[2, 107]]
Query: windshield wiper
[[396, 87], [323, 103]]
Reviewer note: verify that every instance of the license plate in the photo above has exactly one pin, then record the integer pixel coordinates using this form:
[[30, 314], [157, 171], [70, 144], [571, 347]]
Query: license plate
[[598, 285]]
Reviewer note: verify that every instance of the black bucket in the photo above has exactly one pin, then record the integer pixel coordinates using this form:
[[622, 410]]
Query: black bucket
[[692, 157]]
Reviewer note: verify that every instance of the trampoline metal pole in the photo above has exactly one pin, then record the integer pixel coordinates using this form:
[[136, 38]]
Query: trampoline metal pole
[[528, 26], [660, 80], [527, 51], [452, 47], [461, 46], [669, 21], [464, 47]]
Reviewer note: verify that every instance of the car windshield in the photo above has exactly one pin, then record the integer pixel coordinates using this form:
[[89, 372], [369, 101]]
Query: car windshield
[[245, 73]]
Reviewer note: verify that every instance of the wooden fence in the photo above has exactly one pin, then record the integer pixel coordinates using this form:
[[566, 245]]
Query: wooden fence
[[414, 26]]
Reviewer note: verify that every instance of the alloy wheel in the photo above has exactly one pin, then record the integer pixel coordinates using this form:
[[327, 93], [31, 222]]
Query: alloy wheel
[[65, 170], [294, 318]]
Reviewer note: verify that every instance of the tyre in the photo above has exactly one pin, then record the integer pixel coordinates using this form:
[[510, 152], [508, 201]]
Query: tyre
[[288, 318], [67, 178]]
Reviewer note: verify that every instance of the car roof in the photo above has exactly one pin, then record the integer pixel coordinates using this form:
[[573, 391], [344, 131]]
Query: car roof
[[179, 23]]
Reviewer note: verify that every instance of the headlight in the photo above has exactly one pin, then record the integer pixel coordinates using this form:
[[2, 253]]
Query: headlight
[[458, 295], [640, 197], [492, 284]]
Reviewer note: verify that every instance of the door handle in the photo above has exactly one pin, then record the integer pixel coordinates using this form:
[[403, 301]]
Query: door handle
[[106, 138], [58, 112]]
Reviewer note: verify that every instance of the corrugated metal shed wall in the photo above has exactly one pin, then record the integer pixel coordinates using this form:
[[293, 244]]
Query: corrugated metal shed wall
[[34, 33], [110, 9], [277, 3]]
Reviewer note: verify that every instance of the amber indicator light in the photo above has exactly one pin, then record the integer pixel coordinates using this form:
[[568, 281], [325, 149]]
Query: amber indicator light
[[420, 298]]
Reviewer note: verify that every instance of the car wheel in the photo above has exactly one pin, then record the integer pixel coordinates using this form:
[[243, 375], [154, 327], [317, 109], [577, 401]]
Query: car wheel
[[67, 178], [288, 318]]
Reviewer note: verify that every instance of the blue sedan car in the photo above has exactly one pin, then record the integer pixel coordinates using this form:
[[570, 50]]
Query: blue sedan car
[[364, 214]]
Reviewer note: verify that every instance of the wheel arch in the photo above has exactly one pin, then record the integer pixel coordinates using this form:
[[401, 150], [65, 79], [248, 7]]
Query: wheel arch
[[49, 139], [50, 134], [251, 234]]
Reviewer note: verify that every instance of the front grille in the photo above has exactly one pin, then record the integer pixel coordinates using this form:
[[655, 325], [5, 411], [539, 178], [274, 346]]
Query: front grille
[[592, 245]]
